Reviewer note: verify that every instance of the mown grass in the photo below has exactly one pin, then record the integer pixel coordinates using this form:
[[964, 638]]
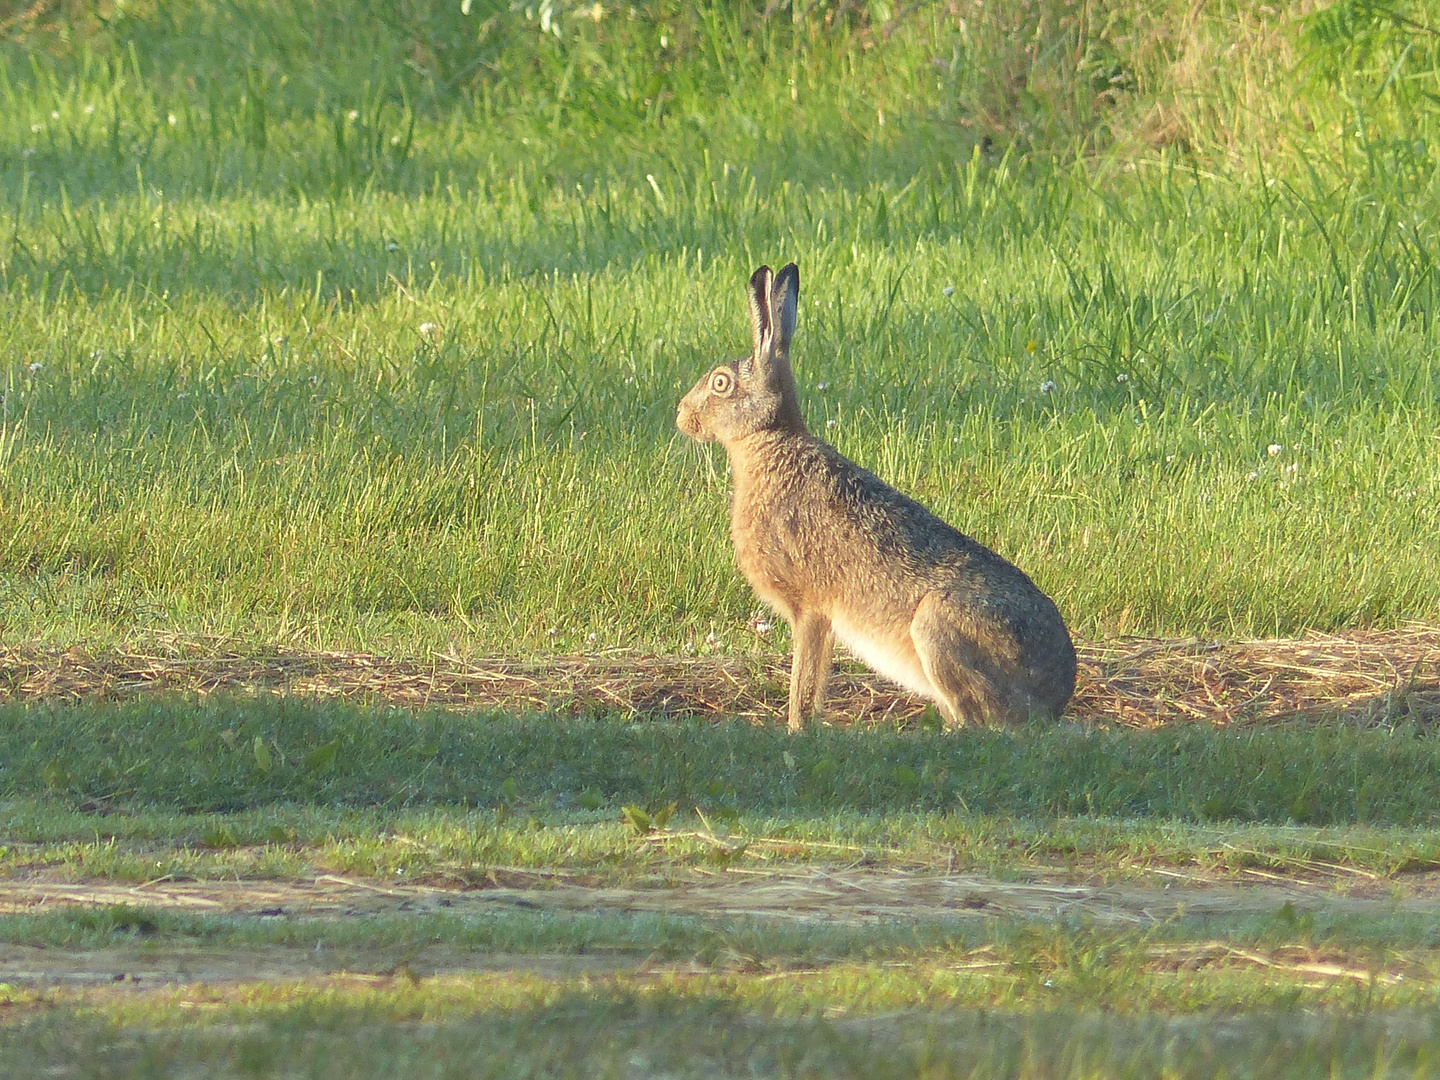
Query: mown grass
[[456, 847], [1020, 947], [576, 1035], [286, 788], [239, 754]]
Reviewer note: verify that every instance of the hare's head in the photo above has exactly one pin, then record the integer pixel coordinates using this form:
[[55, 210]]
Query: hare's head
[[756, 393]]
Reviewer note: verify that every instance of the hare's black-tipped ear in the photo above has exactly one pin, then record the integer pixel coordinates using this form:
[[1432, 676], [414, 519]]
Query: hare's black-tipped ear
[[784, 302], [760, 325]]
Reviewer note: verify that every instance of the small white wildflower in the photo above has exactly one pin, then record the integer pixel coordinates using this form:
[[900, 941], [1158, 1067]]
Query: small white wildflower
[[1252, 475], [1122, 377], [392, 246], [428, 328], [711, 639], [353, 114], [590, 637], [831, 423], [89, 109], [1169, 458], [394, 140], [35, 129], [664, 42], [170, 119], [552, 631], [761, 626], [1293, 467], [29, 151], [1273, 449], [35, 367], [948, 290], [95, 354], [1047, 386], [822, 387], [54, 114]]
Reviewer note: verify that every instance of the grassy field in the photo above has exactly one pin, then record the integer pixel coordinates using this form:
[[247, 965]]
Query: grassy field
[[262, 386], [352, 892], [361, 328]]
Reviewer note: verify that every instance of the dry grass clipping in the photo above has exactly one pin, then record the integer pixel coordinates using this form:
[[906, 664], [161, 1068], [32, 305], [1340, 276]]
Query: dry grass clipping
[[1375, 677]]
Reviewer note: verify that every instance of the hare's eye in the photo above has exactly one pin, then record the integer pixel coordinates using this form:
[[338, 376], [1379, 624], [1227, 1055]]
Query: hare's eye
[[722, 382]]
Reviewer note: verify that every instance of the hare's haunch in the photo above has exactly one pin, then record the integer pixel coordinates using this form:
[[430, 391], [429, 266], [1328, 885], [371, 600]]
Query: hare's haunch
[[841, 554]]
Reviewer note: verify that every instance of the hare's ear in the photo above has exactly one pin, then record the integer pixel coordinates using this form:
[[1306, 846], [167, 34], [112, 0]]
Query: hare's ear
[[760, 324], [784, 302]]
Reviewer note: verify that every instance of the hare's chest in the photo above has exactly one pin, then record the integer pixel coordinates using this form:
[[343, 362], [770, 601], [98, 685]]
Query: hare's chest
[[770, 551]]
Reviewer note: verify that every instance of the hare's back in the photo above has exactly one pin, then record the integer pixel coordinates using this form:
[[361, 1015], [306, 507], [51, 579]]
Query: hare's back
[[904, 540]]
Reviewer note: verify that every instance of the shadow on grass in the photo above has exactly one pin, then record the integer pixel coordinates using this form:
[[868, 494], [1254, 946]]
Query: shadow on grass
[[609, 1033], [232, 754]]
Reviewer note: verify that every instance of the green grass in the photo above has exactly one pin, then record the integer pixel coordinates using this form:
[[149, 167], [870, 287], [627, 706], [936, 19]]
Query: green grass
[[181, 790], [230, 755], [237, 427], [718, 944], [627, 1034]]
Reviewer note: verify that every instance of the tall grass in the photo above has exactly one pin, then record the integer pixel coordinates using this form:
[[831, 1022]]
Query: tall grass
[[364, 330]]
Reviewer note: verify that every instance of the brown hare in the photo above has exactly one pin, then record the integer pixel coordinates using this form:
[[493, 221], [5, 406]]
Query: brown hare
[[841, 554]]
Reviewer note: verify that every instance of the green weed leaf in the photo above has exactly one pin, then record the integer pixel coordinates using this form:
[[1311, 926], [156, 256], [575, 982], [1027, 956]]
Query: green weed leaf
[[322, 755], [218, 837], [264, 760], [55, 775], [637, 819]]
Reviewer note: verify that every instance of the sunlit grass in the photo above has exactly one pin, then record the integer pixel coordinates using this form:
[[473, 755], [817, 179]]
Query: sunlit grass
[[426, 403]]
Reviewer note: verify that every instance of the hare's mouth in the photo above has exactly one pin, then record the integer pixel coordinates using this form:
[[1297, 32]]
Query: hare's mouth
[[687, 421]]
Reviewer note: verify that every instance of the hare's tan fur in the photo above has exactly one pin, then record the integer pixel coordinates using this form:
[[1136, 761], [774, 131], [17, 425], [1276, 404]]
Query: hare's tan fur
[[841, 554]]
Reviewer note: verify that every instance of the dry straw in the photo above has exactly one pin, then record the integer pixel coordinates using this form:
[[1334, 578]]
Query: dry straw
[[1375, 677]]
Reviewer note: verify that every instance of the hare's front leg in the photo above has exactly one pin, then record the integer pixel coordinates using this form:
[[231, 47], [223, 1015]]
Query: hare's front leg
[[809, 666]]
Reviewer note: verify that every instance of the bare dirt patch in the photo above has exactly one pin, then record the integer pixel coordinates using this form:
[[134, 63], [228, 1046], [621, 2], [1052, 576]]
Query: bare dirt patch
[[801, 895], [834, 897], [1363, 677], [146, 966]]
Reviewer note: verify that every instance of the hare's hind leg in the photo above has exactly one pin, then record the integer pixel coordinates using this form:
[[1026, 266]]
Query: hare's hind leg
[[809, 666], [959, 670]]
